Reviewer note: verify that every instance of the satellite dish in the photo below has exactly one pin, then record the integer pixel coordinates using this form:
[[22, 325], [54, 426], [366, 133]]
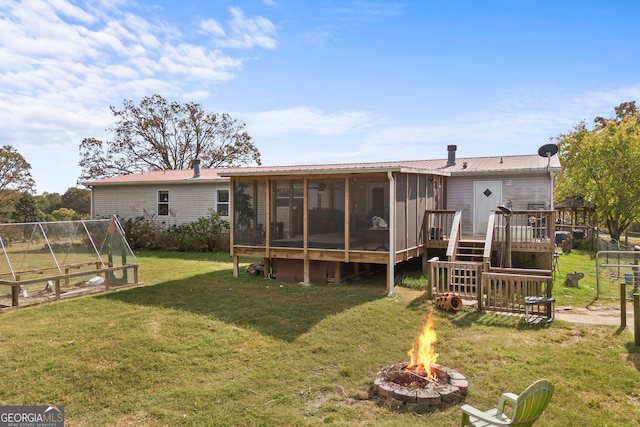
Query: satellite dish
[[548, 150]]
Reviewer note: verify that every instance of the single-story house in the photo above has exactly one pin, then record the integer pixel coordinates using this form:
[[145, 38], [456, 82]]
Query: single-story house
[[326, 222], [172, 197]]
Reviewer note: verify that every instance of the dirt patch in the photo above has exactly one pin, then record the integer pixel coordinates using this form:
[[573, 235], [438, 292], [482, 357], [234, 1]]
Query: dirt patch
[[595, 314]]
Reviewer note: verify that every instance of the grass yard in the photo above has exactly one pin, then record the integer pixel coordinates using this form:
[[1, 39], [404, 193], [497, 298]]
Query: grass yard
[[196, 347], [585, 293]]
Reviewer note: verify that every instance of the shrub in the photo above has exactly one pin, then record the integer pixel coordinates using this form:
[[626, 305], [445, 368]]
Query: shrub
[[142, 233], [203, 235], [206, 234]]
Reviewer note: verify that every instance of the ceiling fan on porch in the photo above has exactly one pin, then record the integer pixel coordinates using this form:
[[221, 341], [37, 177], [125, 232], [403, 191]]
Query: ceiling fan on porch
[[321, 187]]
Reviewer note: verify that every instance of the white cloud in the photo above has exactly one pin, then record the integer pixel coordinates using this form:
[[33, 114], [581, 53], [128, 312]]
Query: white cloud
[[308, 121], [321, 36], [244, 33], [64, 62], [212, 27], [72, 11]]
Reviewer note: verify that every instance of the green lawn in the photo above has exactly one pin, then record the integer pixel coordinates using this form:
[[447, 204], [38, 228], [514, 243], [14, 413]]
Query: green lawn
[[585, 293], [196, 347]]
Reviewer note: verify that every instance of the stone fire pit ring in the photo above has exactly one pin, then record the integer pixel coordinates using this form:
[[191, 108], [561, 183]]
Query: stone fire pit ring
[[450, 389]]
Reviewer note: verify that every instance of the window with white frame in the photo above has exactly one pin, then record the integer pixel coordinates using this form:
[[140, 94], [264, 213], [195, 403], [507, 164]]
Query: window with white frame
[[222, 205], [163, 203]]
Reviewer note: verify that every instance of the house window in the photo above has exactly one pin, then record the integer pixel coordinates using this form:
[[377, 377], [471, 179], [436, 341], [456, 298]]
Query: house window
[[222, 207], [163, 203]]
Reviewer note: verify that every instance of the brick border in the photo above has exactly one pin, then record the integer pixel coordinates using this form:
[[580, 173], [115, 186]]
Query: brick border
[[452, 388]]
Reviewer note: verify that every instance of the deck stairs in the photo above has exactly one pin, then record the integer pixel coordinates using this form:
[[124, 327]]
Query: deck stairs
[[464, 278], [470, 250]]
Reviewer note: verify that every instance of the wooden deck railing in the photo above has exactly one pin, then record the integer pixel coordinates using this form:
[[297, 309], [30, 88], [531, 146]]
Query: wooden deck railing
[[500, 289], [530, 230], [438, 226], [496, 289], [506, 289], [488, 241], [461, 278], [454, 238]]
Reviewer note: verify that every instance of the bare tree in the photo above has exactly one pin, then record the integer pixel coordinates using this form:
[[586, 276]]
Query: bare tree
[[160, 135]]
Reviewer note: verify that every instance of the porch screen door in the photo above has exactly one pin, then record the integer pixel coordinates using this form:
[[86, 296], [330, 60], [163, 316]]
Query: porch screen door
[[487, 197]]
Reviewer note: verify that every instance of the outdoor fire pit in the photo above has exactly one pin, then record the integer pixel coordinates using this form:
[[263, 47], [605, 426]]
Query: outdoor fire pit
[[409, 387], [421, 383]]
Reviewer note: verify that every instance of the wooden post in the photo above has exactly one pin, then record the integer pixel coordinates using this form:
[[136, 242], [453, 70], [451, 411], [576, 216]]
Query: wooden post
[[266, 273], [430, 279], [479, 286], [623, 305], [57, 286], [636, 318], [337, 272], [236, 260], [15, 292], [306, 274], [507, 240]]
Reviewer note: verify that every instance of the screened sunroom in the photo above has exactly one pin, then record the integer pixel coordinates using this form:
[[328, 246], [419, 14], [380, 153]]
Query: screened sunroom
[[328, 223]]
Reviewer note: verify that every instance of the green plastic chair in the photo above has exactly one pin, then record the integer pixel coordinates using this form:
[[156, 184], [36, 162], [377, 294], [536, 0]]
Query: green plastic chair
[[528, 407]]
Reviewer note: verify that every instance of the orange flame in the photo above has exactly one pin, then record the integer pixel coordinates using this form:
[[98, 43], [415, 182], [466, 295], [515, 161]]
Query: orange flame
[[423, 353]]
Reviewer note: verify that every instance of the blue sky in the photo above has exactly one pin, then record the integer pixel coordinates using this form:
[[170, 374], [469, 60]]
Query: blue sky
[[317, 81]]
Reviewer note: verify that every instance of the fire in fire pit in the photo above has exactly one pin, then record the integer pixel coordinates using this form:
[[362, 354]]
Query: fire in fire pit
[[422, 382], [423, 354]]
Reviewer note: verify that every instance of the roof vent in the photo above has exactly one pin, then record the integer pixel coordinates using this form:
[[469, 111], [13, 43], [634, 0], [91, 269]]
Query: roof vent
[[451, 149], [196, 167]]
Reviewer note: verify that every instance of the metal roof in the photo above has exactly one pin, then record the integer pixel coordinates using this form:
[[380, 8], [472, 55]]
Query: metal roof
[[462, 166], [512, 164], [181, 176]]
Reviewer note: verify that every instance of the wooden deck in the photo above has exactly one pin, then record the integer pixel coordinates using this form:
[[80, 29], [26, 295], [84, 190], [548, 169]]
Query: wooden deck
[[477, 268]]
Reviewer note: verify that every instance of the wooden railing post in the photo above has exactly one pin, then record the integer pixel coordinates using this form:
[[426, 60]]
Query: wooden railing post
[[636, 318], [479, 285], [623, 304]]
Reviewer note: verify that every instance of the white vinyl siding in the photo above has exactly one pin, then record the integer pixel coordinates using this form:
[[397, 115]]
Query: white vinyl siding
[[187, 203], [522, 189]]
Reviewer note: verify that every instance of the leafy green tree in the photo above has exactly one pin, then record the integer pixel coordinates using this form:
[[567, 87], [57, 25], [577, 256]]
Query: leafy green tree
[[161, 135], [64, 214], [49, 202], [603, 165], [26, 210], [78, 199], [15, 178]]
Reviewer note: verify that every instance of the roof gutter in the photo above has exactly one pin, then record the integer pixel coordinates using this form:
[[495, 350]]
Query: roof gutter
[[191, 181], [503, 171], [333, 171]]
